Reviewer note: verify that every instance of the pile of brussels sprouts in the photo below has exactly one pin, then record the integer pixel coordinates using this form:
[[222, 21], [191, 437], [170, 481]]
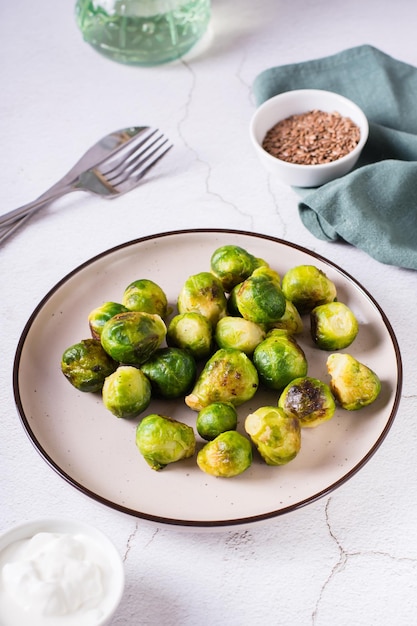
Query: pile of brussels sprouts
[[234, 329]]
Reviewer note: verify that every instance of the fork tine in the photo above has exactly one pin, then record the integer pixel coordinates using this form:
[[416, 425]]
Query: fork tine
[[130, 141], [123, 173], [142, 166], [123, 156], [152, 163]]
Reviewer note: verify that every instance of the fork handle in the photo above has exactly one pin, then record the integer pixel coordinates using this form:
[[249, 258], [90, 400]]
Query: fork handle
[[55, 192], [8, 231], [13, 220]]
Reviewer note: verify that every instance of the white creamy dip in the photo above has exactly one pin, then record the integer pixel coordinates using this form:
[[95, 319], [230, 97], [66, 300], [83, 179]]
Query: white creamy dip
[[53, 579]]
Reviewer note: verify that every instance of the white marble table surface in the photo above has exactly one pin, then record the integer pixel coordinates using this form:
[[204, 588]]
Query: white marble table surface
[[349, 558]]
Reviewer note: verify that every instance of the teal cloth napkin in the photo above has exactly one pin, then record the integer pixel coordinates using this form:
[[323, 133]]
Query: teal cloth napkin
[[374, 207]]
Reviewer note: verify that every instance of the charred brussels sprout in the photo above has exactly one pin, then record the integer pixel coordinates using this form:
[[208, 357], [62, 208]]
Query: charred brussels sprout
[[126, 392], [260, 298], [162, 440], [171, 371], [229, 454], [354, 384], [309, 399], [290, 321], [215, 419], [333, 326], [276, 435], [232, 265], [279, 359], [203, 293], [228, 376], [132, 337], [100, 315], [307, 286], [238, 333], [86, 365], [145, 295], [192, 332]]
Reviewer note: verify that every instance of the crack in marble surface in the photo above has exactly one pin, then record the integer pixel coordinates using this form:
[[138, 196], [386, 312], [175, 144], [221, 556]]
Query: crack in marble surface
[[206, 164], [131, 539], [344, 557], [339, 566], [284, 229], [129, 542]]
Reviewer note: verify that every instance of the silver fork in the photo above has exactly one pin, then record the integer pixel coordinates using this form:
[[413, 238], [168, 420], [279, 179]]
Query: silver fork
[[117, 174]]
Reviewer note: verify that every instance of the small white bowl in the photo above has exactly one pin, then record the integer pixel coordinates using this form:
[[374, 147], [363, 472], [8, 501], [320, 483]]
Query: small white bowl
[[111, 564], [297, 102]]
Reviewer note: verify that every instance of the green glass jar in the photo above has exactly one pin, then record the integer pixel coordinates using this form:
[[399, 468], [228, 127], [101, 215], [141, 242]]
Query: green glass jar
[[142, 32]]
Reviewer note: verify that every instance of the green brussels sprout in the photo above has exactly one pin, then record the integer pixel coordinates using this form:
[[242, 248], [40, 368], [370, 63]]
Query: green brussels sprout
[[215, 419], [309, 399], [192, 332], [86, 365], [236, 332], [228, 376], [333, 326], [307, 286], [229, 454], [232, 265], [145, 295], [132, 337], [290, 321], [162, 440], [279, 359], [99, 316], [203, 293], [353, 384], [276, 435], [171, 371], [260, 298], [126, 392]]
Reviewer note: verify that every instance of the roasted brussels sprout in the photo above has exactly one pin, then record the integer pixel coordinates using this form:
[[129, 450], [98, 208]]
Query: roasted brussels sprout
[[333, 326], [307, 286], [171, 371], [229, 454], [353, 384], [228, 376], [290, 321], [192, 332], [279, 359], [260, 298], [215, 419], [86, 365], [145, 295], [236, 332], [126, 392], [309, 399], [232, 264], [99, 316], [276, 435], [203, 293], [162, 440], [132, 337]]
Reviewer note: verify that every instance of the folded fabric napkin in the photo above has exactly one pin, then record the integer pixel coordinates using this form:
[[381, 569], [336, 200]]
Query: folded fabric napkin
[[374, 207]]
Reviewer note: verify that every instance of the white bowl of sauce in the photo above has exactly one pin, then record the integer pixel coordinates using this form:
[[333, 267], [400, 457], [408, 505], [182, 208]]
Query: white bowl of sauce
[[57, 572]]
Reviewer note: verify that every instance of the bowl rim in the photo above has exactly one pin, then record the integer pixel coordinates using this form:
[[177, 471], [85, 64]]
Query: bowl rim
[[270, 102], [27, 529]]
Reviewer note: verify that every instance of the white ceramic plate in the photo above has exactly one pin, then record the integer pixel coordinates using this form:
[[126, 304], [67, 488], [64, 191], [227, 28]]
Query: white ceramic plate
[[96, 452]]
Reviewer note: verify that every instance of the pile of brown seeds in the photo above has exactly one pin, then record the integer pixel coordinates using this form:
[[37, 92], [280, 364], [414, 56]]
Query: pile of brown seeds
[[312, 138]]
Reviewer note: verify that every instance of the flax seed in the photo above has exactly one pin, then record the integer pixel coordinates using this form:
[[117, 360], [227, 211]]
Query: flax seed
[[312, 138]]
